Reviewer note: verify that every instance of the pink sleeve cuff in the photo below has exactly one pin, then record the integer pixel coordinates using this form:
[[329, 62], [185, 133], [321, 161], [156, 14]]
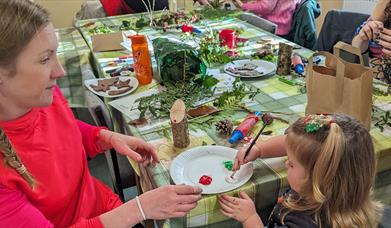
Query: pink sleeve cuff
[[90, 138]]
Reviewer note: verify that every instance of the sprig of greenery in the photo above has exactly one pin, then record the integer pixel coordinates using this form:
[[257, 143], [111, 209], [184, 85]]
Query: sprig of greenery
[[212, 13], [233, 98], [384, 120], [159, 105], [211, 51]]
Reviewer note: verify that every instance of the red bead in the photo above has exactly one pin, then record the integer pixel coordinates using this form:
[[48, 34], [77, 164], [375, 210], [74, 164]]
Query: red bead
[[205, 180]]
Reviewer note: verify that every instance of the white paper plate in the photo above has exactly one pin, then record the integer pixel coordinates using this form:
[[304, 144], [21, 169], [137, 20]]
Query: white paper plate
[[189, 166], [133, 83], [263, 67]]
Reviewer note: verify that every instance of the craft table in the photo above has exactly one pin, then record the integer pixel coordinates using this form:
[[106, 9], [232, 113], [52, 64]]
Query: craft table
[[269, 179]]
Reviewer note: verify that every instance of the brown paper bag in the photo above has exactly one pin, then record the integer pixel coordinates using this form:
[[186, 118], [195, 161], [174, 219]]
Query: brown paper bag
[[340, 86]]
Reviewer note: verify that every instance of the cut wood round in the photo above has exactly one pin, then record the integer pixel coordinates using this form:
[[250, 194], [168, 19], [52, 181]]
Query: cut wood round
[[180, 131], [284, 59]]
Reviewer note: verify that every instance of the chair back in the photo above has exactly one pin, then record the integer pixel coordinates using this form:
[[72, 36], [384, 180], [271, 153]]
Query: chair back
[[259, 22], [338, 25]]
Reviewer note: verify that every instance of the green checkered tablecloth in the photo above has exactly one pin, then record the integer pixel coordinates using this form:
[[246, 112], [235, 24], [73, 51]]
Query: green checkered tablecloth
[[269, 179], [73, 54]]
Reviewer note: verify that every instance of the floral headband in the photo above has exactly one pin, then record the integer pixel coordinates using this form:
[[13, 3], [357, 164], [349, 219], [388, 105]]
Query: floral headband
[[314, 122]]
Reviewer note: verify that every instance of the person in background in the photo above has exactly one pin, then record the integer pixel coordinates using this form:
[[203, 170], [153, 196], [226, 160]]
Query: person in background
[[279, 12], [44, 176], [375, 33], [324, 153], [117, 7]]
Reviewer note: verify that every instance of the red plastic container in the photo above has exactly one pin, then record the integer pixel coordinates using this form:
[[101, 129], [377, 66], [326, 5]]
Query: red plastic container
[[228, 37]]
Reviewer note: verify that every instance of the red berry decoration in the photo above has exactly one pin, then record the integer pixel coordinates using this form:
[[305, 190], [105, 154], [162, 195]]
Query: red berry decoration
[[205, 180]]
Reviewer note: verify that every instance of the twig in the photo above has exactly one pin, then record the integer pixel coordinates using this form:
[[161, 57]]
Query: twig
[[149, 12]]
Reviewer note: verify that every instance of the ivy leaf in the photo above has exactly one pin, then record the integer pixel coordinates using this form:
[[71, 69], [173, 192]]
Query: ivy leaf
[[210, 81]]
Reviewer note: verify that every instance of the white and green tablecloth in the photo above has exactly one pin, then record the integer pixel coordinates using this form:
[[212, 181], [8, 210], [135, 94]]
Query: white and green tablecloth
[[269, 179]]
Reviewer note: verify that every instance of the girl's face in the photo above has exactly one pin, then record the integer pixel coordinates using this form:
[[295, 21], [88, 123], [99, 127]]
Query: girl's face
[[37, 69], [296, 172]]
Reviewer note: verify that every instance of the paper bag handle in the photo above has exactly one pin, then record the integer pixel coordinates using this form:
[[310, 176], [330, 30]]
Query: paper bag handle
[[348, 48], [332, 62]]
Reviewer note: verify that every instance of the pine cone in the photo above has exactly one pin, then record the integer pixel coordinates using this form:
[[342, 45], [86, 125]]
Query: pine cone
[[224, 127]]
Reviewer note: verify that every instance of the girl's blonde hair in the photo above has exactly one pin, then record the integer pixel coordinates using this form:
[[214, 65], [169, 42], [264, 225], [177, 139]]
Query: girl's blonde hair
[[20, 20], [340, 162]]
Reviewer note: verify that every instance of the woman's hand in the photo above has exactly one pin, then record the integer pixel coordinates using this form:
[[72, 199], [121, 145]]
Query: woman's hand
[[385, 41], [238, 3], [251, 156], [371, 30], [170, 201], [241, 209], [134, 147], [202, 2]]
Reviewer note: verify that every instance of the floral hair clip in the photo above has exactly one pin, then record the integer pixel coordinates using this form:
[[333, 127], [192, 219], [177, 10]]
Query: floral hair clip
[[314, 122]]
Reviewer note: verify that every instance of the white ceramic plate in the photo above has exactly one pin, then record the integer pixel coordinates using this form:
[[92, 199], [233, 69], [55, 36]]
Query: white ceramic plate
[[189, 166], [133, 83], [263, 67]]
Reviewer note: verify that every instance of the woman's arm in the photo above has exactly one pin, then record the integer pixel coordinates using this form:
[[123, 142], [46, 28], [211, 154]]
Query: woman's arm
[[92, 143], [169, 201], [258, 7], [17, 211]]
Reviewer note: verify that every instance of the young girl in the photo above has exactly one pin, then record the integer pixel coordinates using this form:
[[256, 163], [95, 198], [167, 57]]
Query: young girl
[[375, 34], [331, 168], [279, 12]]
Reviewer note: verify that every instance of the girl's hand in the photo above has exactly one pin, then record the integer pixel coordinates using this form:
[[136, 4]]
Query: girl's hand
[[371, 30], [385, 41], [251, 156], [134, 147], [241, 209], [170, 201]]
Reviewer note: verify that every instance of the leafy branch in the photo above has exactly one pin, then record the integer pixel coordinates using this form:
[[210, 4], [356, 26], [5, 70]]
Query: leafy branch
[[159, 105]]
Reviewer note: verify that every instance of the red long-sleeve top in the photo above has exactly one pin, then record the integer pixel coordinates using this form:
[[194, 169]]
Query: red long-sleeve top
[[53, 146], [115, 7]]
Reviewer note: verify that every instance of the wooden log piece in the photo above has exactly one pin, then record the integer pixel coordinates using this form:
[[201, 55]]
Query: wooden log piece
[[180, 131], [284, 59]]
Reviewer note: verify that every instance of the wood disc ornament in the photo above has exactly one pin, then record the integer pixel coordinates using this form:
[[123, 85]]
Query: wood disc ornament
[[180, 131]]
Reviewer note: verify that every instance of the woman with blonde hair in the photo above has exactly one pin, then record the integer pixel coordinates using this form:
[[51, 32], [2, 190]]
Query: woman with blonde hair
[[375, 33], [44, 176], [331, 169]]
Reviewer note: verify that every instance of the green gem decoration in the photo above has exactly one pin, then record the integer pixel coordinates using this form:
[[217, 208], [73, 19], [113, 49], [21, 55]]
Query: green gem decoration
[[312, 127], [228, 165]]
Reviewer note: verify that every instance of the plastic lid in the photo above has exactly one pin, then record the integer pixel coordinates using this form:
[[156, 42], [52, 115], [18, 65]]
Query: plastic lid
[[299, 68], [236, 136], [138, 39]]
